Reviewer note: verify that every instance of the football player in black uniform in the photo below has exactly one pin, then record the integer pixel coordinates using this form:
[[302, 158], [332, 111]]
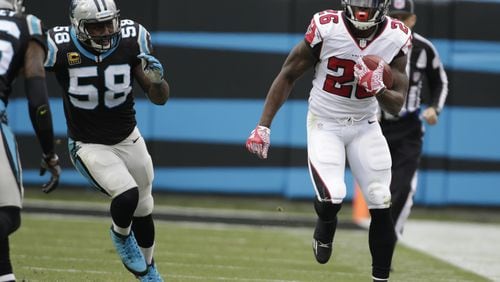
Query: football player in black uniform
[[22, 50], [96, 60], [404, 132]]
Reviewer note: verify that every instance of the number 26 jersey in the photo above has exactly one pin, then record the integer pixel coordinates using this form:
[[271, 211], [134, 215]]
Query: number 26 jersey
[[98, 100], [335, 93]]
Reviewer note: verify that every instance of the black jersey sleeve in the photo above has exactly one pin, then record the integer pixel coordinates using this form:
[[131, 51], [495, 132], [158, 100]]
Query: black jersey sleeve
[[137, 38], [437, 78]]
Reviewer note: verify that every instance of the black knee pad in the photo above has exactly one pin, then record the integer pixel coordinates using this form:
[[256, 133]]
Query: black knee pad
[[123, 207], [326, 211], [10, 220], [144, 230]]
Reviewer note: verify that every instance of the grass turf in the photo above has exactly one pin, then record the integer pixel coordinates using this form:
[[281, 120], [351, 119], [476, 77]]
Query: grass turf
[[476, 214], [56, 248]]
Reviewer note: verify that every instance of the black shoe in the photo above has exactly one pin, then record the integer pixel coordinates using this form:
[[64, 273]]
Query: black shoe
[[322, 251], [323, 232]]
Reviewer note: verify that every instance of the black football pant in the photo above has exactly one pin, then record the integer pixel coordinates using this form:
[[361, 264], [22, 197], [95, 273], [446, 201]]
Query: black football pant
[[405, 143], [10, 220]]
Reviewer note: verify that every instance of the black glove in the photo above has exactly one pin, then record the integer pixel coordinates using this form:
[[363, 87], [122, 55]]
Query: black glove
[[50, 162]]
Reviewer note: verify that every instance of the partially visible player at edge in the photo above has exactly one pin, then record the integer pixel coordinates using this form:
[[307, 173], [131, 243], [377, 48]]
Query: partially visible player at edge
[[22, 51], [405, 131], [96, 60], [342, 116]]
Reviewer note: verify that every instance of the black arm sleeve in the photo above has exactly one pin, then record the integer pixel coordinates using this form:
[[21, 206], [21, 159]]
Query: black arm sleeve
[[437, 79], [41, 118]]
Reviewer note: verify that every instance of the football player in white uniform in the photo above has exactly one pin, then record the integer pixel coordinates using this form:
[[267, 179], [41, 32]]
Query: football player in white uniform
[[342, 117], [96, 60]]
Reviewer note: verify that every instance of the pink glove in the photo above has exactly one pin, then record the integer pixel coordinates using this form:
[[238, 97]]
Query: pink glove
[[371, 80], [259, 141]]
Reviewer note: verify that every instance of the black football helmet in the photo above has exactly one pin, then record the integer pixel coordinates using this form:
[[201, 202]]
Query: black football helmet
[[363, 20]]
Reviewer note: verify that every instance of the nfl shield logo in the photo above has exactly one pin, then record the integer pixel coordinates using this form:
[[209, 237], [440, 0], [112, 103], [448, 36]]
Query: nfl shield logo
[[399, 4]]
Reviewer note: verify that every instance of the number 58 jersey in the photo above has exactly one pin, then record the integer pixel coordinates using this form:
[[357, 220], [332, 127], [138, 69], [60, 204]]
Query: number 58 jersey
[[335, 93], [98, 100]]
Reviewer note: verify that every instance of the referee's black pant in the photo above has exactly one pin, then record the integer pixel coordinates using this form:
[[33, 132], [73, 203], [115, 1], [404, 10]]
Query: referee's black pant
[[404, 137]]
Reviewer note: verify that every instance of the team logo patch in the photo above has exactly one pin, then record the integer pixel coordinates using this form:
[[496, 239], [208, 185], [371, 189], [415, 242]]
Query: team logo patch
[[74, 58], [399, 4], [311, 32]]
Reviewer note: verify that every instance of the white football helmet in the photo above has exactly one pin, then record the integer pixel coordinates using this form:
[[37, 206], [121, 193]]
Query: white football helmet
[[83, 12], [15, 5], [363, 20]]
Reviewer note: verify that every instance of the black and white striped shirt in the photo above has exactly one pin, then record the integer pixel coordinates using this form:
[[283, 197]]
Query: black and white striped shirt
[[423, 61]]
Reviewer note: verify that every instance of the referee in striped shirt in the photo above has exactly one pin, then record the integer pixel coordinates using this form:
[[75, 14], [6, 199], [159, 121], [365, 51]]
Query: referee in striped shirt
[[404, 132]]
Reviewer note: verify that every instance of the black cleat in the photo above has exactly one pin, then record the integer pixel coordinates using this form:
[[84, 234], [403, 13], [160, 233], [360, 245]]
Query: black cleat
[[322, 251]]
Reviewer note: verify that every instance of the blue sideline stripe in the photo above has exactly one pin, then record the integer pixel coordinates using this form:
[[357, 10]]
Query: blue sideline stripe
[[194, 120], [459, 188], [475, 56], [279, 43], [434, 188], [462, 132]]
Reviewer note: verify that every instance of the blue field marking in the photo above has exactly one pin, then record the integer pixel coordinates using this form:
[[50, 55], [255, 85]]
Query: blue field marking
[[462, 132], [434, 187], [462, 55]]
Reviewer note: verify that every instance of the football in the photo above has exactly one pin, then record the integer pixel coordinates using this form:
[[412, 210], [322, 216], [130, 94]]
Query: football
[[372, 61]]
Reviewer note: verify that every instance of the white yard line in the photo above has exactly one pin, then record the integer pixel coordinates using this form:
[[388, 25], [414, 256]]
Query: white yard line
[[68, 270], [471, 246]]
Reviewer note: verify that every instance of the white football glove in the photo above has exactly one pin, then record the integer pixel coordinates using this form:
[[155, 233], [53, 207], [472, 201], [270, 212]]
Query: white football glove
[[259, 141], [371, 80], [152, 68]]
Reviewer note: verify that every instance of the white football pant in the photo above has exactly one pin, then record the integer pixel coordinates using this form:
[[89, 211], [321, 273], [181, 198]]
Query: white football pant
[[114, 169], [331, 141]]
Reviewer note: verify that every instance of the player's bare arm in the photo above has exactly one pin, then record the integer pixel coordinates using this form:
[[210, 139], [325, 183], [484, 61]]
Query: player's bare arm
[[299, 60], [391, 100], [33, 60], [158, 93]]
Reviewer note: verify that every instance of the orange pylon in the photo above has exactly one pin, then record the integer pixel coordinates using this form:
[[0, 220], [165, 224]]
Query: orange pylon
[[360, 213]]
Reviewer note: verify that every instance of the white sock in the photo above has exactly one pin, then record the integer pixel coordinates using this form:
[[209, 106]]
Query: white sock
[[7, 277], [121, 230], [148, 253]]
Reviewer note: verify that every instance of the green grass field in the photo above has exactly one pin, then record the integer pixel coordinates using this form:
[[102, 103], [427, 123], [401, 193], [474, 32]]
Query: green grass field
[[269, 204], [56, 248]]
